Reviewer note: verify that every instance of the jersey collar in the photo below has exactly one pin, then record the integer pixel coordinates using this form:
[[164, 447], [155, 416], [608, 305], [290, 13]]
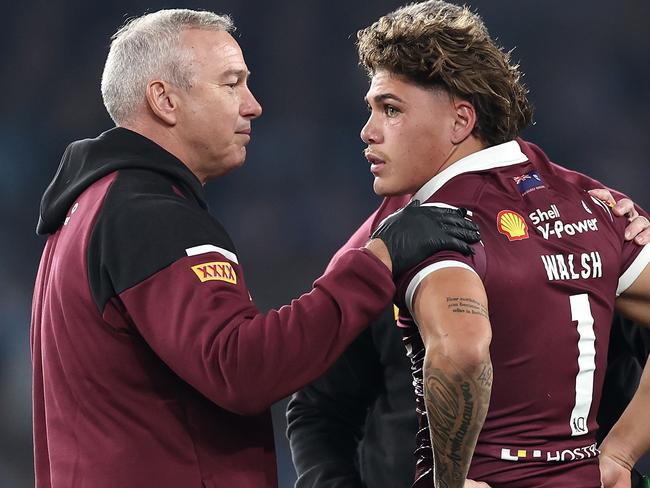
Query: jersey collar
[[506, 154]]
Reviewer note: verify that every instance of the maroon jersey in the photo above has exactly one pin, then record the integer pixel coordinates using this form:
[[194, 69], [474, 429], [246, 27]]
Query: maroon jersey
[[552, 260], [152, 367]]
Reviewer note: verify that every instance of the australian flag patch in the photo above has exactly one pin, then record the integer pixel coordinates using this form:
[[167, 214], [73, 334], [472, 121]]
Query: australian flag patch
[[531, 181]]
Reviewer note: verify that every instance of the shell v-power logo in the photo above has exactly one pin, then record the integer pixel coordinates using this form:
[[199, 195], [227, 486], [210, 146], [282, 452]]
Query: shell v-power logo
[[512, 225]]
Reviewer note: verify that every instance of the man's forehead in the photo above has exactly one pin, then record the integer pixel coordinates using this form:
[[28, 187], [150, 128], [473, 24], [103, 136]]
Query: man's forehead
[[216, 48], [382, 83], [227, 47], [386, 85], [212, 42], [195, 38], [228, 55]]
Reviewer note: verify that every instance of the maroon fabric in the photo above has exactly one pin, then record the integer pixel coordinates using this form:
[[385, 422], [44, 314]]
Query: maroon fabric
[[170, 384], [535, 341], [362, 234]]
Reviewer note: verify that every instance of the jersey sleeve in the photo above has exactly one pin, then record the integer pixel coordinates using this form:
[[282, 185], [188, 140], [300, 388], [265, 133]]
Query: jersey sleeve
[[408, 284], [634, 258], [177, 279]]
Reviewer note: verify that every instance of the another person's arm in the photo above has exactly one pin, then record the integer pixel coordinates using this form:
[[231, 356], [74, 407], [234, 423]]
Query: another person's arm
[[450, 308], [179, 285], [326, 418], [629, 438], [615, 461]]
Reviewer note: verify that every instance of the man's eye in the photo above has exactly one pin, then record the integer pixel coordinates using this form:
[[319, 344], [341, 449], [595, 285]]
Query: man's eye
[[390, 111]]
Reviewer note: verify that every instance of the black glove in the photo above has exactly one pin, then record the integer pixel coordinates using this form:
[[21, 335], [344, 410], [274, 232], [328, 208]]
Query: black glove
[[416, 232]]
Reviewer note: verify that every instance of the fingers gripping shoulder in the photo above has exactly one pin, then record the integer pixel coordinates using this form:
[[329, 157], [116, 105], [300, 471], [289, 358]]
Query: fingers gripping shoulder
[[417, 232]]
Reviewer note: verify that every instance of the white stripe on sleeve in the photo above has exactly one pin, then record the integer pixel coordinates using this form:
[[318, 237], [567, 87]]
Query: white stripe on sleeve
[[424, 272], [444, 205], [205, 248], [635, 269]]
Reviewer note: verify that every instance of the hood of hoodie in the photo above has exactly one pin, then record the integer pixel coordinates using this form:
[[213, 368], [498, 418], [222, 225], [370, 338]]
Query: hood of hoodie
[[86, 161]]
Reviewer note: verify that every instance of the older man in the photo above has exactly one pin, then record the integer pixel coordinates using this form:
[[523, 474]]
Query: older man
[[152, 366]]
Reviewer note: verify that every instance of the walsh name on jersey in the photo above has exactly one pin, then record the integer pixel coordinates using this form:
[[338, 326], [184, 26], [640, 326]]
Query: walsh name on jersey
[[573, 266]]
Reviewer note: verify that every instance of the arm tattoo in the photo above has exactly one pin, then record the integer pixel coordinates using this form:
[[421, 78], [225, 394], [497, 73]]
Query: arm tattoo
[[485, 378], [466, 305], [456, 403]]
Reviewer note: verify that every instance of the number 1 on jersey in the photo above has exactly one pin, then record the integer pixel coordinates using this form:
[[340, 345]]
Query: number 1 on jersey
[[581, 313]]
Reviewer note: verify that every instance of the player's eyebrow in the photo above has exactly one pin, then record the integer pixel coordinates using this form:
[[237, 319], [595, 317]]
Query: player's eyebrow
[[382, 97]]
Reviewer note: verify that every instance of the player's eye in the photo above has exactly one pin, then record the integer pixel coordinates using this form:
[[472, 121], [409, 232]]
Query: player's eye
[[390, 111]]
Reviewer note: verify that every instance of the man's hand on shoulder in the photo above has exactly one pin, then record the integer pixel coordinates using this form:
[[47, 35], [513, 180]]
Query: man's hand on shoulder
[[638, 227], [416, 232]]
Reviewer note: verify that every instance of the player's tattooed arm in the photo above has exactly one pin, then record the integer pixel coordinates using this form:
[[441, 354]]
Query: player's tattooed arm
[[450, 308], [466, 305], [456, 402]]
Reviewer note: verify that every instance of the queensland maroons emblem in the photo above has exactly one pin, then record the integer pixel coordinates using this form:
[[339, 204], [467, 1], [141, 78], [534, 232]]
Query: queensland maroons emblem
[[512, 225], [215, 271]]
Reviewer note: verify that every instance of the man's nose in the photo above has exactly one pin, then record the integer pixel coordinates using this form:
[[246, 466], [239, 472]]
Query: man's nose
[[250, 107]]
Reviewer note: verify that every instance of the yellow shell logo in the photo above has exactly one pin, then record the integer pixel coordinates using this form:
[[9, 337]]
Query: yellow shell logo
[[512, 225]]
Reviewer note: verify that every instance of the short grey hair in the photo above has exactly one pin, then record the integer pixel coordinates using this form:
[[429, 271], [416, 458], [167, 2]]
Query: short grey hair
[[146, 48]]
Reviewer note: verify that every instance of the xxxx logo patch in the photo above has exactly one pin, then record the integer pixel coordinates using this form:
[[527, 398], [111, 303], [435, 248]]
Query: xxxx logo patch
[[215, 271]]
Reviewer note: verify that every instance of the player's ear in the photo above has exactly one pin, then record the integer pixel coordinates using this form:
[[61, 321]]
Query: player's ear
[[162, 101], [464, 120]]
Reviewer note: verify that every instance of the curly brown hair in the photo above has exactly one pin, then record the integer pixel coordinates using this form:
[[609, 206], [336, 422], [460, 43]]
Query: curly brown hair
[[441, 45]]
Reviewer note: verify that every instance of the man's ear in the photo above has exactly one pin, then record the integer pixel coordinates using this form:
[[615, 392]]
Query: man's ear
[[162, 101], [464, 120]]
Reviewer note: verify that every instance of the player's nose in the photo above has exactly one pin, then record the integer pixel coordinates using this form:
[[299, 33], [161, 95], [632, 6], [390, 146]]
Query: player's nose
[[370, 134]]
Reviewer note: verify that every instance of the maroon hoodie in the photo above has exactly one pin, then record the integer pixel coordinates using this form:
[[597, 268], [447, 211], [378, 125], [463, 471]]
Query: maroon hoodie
[[152, 366]]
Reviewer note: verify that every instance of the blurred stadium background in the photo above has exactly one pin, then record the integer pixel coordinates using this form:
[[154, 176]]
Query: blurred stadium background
[[305, 186]]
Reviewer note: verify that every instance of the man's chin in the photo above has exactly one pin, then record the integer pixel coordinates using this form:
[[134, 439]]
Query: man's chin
[[383, 189], [238, 161], [379, 187]]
